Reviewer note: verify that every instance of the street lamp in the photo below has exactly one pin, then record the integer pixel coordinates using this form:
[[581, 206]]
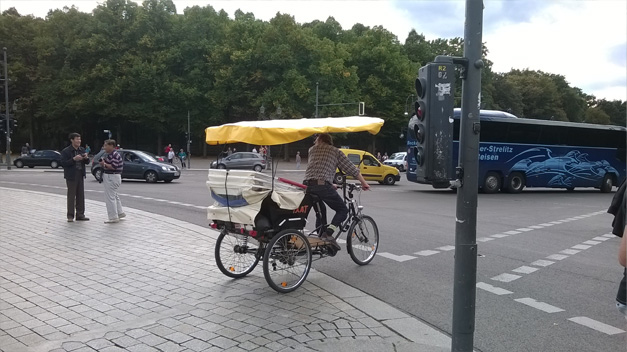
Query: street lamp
[[406, 108]]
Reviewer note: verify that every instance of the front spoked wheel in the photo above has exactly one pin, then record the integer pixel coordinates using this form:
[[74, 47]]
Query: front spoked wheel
[[236, 255], [287, 260], [363, 240]]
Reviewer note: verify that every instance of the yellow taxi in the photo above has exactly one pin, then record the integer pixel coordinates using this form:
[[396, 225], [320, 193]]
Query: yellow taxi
[[371, 169]]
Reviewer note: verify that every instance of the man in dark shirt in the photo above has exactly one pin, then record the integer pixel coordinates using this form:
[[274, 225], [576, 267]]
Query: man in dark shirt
[[112, 165], [73, 160], [323, 159]]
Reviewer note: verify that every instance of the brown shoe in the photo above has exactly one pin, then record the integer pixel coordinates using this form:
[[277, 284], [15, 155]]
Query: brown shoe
[[331, 240], [82, 218]]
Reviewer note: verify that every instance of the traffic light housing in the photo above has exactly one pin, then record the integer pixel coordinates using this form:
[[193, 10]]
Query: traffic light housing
[[432, 124]]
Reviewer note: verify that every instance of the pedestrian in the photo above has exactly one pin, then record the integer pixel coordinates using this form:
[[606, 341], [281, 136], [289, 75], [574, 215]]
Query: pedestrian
[[229, 151], [87, 149], [182, 156], [25, 150], [112, 178], [618, 208], [171, 156], [254, 150], [297, 160], [74, 159], [379, 156], [385, 156], [322, 160], [167, 149]]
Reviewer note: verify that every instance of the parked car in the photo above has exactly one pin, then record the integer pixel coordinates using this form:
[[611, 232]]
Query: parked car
[[397, 160], [241, 160], [139, 165], [371, 169], [50, 158]]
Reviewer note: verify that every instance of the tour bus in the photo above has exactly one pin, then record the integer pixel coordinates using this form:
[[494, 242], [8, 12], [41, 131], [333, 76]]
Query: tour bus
[[515, 153]]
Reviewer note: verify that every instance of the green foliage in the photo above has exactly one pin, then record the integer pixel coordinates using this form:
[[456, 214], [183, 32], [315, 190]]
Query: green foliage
[[139, 68]]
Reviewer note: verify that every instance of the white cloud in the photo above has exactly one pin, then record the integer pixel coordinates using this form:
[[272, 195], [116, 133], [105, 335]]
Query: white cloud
[[574, 38]]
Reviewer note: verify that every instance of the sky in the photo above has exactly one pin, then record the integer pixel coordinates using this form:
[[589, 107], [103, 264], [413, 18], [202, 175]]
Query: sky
[[583, 40]]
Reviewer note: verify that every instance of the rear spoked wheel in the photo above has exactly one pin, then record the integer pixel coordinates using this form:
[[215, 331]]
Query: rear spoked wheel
[[287, 260], [236, 255], [363, 240]]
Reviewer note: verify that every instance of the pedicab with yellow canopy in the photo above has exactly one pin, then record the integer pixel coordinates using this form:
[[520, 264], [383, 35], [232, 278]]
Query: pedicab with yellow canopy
[[263, 217]]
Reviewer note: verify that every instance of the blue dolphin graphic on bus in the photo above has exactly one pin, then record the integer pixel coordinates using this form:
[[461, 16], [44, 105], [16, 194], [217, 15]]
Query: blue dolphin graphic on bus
[[560, 171]]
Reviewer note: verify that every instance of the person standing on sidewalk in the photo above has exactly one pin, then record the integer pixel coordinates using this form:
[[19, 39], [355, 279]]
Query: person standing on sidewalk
[[323, 159], [112, 179], [74, 159], [297, 160]]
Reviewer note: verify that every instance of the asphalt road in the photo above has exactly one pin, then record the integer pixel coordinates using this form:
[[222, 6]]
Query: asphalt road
[[525, 301]]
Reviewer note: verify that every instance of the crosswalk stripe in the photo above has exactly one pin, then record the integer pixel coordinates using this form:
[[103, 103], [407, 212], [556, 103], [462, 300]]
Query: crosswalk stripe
[[493, 289], [596, 325], [545, 307]]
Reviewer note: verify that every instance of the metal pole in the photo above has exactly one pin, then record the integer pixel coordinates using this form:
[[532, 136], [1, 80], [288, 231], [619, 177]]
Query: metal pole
[[464, 290], [6, 101], [189, 136], [316, 99]]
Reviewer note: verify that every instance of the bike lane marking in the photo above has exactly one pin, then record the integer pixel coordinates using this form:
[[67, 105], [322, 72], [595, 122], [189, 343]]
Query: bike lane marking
[[545, 307], [596, 325]]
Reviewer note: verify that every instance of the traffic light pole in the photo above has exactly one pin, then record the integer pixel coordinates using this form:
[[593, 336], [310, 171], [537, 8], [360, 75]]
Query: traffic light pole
[[464, 289], [8, 117]]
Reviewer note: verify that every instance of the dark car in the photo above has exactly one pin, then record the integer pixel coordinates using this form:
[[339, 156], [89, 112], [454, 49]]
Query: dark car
[[241, 160], [50, 158], [139, 165]]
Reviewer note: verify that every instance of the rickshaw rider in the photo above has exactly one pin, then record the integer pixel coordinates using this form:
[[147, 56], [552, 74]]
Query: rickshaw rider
[[322, 161]]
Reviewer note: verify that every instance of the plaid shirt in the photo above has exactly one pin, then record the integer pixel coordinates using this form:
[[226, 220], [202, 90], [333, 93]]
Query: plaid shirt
[[322, 161], [116, 162]]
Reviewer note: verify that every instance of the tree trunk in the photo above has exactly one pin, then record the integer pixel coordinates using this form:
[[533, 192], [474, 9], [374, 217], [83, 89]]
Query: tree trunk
[[159, 144]]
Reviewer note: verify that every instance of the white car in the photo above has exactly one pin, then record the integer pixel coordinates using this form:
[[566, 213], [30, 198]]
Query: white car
[[397, 160]]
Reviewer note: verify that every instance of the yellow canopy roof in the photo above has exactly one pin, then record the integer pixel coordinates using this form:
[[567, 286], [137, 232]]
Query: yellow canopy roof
[[273, 132]]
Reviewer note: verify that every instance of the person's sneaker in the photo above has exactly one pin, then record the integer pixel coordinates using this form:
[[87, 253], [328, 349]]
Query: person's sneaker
[[82, 218], [70, 219], [122, 215], [112, 221]]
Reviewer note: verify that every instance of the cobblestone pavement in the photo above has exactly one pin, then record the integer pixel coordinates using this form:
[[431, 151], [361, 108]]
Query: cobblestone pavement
[[150, 283]]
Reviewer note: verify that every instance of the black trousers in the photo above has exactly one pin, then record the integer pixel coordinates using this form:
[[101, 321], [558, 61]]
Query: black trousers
[[76, 197], [329, 195]]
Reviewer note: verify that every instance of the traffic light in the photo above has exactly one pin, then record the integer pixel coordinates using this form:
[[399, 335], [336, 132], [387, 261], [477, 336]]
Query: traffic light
[[12, 124], [432, 124]]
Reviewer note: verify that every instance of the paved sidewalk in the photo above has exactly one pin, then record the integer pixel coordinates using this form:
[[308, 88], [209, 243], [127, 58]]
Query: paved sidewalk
[[150, 283]]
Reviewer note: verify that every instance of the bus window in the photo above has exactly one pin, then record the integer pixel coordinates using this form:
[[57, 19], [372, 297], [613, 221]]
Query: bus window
[[523, 133]]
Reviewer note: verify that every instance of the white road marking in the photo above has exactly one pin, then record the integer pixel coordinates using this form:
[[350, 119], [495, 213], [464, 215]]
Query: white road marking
[[570, 251], [601, 238], [557, 256], [578, 217], [499, 235], [556, 222], [542, 262], [525, 270], [537, 226], [596, 325], [545, 307], [493, 289], [512, 232], [339, 240], [506, 277], [427, 253], [485, 239], [581, 246], [546, 224], [591, 242], [524, 229], [398, 258], [446, 248], [200, 207], [609, 235]]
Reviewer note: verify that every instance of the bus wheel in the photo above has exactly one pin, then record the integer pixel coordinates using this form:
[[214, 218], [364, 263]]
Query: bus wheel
[[515, 182], [491, 183], [607, 184]]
